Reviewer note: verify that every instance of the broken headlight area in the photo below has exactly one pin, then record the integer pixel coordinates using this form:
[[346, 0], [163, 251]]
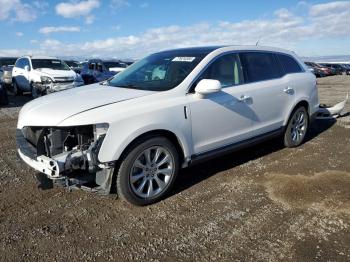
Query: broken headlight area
[[68, 154]]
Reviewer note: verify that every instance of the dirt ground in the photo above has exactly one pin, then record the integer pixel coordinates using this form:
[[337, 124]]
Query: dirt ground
[[266, 203]]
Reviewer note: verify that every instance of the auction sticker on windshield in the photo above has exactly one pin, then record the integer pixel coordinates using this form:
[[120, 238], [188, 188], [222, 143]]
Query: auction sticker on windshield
[[184, 59]]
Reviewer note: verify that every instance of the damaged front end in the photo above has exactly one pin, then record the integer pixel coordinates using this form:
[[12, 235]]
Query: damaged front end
[[68, 155], [49, 85]]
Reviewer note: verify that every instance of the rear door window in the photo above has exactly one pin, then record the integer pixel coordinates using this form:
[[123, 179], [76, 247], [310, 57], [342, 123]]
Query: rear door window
[[259, 66], [289, 64]]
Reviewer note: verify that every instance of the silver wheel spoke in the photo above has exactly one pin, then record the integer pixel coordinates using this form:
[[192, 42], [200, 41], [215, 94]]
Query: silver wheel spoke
[[297, 135], [160, 183], [165, 171], [135, 178], [139, 164], [150, 188], [157, 155], [166, 159], [147, 154], [140, 188]]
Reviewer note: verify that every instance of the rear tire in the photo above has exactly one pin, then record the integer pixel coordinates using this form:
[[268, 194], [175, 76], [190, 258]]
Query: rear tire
[[34, 92], [297, 127], [147, 171]]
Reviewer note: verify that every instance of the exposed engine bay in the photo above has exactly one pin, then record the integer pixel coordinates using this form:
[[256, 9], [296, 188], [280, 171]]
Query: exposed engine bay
[[69, 153]]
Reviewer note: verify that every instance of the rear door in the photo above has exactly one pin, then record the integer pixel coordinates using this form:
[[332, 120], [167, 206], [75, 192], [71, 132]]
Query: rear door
[[269, 90]]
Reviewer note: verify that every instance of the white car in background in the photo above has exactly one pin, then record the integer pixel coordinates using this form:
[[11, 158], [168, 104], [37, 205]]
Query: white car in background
[[167, 111], [115, 65], [42, 75]]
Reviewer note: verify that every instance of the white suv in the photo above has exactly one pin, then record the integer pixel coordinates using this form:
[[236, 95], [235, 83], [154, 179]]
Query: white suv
[[167, 111], [42, 75]]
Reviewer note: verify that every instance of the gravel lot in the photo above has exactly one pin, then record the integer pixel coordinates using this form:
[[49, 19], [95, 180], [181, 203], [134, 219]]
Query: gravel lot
[[266, 203]]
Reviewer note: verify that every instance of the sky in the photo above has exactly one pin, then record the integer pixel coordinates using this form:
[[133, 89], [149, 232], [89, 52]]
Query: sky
[[135, 28]]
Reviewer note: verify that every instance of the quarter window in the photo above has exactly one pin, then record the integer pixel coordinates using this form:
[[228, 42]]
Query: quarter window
[[227, 69], [259, 66], [289, 64]]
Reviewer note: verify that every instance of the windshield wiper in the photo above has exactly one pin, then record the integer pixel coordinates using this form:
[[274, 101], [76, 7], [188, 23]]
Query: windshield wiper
[[131, 86]]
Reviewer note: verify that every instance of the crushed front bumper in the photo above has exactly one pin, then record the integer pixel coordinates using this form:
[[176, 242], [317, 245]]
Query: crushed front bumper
[[28, 154], [56, 86]]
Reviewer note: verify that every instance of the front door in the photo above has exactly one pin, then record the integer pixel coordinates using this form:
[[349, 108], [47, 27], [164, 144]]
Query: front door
[[225, 117]]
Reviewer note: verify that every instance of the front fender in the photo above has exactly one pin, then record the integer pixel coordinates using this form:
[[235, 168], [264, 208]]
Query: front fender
[[117, 139], [113, 146]]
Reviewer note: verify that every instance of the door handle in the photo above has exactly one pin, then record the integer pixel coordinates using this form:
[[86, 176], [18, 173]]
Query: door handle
[[288, 90], [244, 98]]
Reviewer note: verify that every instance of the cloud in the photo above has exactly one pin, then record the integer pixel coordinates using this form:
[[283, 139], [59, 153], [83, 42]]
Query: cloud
[[15, 10], [89, 19], [117, 4], [19, 34], [284, 28], [76, 9], [53, 29]]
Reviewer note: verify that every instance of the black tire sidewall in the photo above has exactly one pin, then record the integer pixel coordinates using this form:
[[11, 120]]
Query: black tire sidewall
[[288, 142], [16, 90], [123, 184]]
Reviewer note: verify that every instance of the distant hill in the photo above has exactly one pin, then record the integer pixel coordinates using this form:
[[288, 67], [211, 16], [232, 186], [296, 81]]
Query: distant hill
[[338, 58]]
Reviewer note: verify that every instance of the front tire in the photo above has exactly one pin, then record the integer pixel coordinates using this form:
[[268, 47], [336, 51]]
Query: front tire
[[297, 127], [147, 171], [16, 90]]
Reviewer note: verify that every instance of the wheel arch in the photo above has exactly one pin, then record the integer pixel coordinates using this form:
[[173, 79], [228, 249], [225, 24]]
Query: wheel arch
[[178, 142], [302, 102]]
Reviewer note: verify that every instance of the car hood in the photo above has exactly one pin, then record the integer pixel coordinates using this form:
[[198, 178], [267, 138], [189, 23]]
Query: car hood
[[52, 109], [56, 73]]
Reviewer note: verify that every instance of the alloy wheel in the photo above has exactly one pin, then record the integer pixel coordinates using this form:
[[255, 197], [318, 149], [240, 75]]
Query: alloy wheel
[[298, 127], [151, 172]]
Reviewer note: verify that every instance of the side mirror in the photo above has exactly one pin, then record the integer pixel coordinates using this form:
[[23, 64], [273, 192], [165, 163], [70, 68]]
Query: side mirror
[[27, 68], [207, 86]]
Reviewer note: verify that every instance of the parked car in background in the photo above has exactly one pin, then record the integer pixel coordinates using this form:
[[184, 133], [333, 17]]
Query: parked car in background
[[315, 70], [115, 65], [41, 75], [7, 63], [97, 70], [74, 65], [346, 68], [336, 68], [169, 110], [319, 71]]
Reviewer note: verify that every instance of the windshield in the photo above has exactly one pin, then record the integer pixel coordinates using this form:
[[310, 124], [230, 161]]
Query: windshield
[[50, 63], [114, 64], [72, 63], [158, 72]]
